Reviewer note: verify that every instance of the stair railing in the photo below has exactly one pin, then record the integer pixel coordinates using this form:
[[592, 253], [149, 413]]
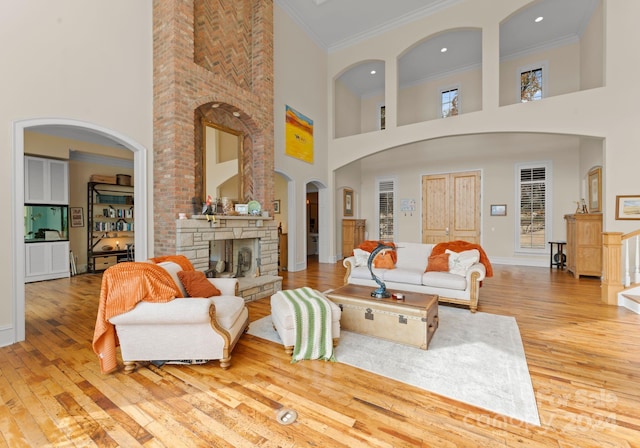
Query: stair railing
[[617, 271]]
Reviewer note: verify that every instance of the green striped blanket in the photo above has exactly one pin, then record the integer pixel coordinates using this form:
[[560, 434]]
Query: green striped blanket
[[312, 318]]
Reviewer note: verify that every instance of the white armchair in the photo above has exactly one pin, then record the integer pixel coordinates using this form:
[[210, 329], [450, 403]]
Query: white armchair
[[183, 329]]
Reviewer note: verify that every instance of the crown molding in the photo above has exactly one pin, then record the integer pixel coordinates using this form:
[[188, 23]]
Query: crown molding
[[396, 23]]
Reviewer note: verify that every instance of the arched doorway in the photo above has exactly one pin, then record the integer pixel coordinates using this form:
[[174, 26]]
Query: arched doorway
[[317, 221], [140, 198]]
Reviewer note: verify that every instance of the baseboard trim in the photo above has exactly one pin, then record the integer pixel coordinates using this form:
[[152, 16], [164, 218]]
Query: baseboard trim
[[520, 261], [7, 336]]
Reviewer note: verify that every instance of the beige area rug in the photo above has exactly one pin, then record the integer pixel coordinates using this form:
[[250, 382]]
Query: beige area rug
[[474, 358]]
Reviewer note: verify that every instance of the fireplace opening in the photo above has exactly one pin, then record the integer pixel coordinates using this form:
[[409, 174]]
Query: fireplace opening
[[233, 258]]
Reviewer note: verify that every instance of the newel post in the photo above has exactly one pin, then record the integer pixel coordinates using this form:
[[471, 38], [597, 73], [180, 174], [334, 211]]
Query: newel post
[[611, 268]]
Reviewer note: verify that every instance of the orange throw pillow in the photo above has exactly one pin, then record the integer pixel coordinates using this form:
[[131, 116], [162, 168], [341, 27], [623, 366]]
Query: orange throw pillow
[[385, 260], [438, 263], [197, 285]]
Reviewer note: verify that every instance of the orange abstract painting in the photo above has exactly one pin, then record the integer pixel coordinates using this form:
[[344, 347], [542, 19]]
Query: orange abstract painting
[[298, 135]]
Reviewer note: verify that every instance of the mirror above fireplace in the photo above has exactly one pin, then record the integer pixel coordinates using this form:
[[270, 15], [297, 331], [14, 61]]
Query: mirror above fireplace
[[222, 156]]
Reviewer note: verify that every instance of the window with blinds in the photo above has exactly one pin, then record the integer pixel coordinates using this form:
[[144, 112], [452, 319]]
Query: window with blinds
[[386, 217], [533, 191]]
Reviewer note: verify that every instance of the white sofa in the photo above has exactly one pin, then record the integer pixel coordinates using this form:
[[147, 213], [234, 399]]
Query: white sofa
[[188, 328], [409, 275]]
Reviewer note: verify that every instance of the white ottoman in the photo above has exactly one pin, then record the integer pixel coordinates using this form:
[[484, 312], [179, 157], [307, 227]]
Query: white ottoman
[[282, 318]]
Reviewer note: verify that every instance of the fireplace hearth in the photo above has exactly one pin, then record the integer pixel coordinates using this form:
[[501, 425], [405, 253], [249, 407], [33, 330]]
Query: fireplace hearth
[[220, 245]]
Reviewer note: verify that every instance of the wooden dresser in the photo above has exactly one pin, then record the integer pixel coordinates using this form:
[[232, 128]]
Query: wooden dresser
[[352, 235], [584, 244]]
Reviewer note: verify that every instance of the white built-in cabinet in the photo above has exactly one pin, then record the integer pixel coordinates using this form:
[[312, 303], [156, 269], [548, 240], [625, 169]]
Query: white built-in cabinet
[[46, 261], [46, 181]]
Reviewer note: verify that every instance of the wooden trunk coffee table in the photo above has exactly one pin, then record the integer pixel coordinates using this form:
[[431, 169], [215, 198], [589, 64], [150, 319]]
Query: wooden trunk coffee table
[[411, 321]]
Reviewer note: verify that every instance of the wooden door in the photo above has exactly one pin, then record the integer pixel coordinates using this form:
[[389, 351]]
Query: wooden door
[[451, 207]]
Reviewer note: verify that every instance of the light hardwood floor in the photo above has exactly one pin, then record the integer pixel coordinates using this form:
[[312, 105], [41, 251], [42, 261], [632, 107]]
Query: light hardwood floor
[[584, 359]]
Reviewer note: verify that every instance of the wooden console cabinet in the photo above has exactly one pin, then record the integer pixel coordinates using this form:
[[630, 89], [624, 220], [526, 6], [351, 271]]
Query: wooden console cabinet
[[352, 235], [584, 244]]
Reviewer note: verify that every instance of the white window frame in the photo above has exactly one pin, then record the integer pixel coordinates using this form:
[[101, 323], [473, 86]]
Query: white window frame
[[447, 89], [379, 181], [545, 78], [548, 231]]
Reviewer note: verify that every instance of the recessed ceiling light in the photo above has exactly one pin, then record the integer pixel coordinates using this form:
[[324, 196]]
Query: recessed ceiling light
[[373, 72], [539, 19], [443, 50], [214, 105], [236, 114]]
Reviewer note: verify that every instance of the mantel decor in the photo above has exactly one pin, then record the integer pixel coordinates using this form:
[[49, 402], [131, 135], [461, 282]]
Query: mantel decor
[[381, 292]]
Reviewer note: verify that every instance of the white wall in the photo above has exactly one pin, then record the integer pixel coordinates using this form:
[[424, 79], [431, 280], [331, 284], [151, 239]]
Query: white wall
[[563, 72], [347, 177], [495, 156], [69, 59], [347, 111], [300, 82], [608, 112], [280, 187], [592, 51], [423, 101]]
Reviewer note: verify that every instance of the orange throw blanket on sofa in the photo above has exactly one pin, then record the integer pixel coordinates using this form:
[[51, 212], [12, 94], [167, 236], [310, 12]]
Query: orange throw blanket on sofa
[[123, 286], [459, 246]]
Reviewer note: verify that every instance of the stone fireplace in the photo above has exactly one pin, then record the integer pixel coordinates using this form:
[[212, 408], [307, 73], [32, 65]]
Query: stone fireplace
[[205, 53], [234, 257], [229, 239]]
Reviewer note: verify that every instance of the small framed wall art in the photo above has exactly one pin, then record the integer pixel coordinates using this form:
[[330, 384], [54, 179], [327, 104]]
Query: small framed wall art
[[498, 210], [276, 206], [77, 217], [628, 207], [595, 190], [347, 202]]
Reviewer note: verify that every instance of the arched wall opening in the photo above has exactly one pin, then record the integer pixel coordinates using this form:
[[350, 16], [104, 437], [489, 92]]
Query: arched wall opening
[[140, 199]]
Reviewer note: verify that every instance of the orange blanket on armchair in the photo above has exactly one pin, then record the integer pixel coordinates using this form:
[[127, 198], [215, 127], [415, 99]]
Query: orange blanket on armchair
[[180, 260], [459, 246], [123, 286]]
